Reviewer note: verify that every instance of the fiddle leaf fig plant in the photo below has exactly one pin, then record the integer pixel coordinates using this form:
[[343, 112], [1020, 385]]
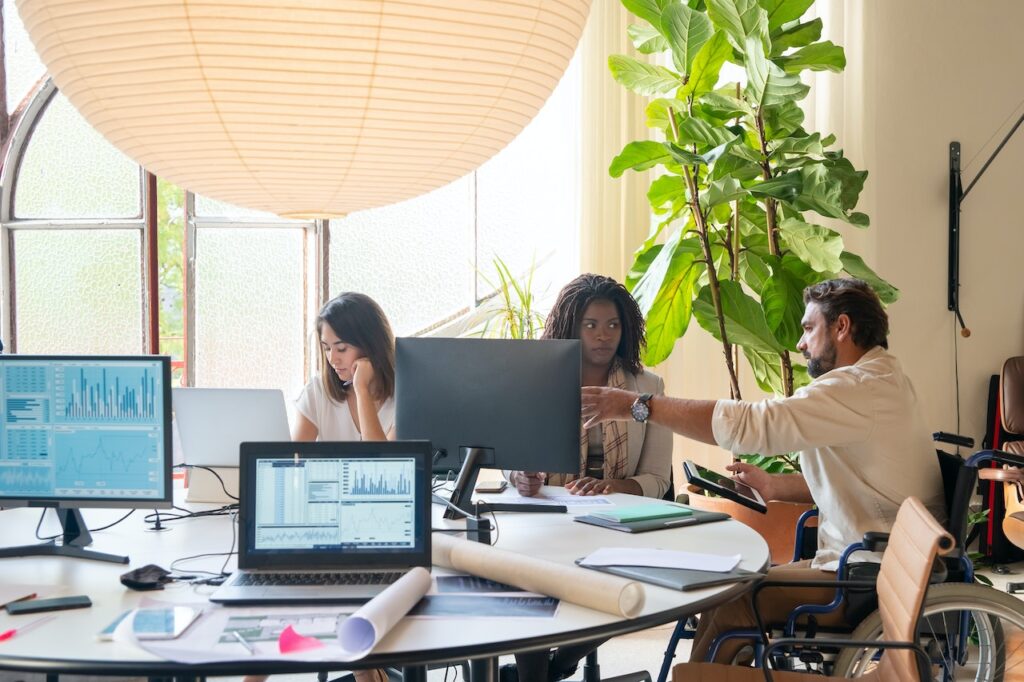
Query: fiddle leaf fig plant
[[742, 186]]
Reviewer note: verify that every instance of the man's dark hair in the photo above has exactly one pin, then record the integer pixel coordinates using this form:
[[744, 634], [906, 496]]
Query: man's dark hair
[[857, 300], [567, 314]]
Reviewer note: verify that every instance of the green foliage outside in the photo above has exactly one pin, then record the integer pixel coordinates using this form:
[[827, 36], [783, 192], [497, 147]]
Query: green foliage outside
[[742, 184], [171, 272], [511, 311]]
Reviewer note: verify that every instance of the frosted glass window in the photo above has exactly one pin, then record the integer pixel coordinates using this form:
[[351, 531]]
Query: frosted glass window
[[250, 314], [24, 68], [70, 171], [528, 195], [415, 258], [78, 291]]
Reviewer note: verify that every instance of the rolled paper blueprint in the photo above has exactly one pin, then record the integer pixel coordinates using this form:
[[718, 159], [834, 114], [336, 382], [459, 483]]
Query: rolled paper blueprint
[[598, 591], [360, 632]]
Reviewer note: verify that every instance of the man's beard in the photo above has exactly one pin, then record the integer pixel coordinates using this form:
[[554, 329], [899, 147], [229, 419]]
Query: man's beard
[[826, 362]]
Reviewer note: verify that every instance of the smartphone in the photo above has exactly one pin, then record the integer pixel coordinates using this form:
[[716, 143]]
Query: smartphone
[[79, 601], [492, 487], [154, 623]]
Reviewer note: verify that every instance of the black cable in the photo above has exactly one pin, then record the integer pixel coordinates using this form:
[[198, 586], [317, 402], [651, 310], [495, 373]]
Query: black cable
[[221, 480], [88, 530]]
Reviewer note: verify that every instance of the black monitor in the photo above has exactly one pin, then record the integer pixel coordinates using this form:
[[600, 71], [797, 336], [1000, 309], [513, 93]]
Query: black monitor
[[502, 403], [84, 431]]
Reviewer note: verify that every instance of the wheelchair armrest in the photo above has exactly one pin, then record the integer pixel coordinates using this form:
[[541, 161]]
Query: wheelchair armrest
[[953, 439], [923, 662], [756, 592], [875, 541]]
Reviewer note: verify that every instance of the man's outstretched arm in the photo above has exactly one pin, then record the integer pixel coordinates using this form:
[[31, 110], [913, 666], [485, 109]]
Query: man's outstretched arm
[[690, 418]]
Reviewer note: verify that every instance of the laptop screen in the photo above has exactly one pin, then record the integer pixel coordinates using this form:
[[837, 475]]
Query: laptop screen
[[307, 505]]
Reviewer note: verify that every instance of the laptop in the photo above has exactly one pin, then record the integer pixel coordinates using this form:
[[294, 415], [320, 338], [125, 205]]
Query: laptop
[[213, 422], [329, 522]]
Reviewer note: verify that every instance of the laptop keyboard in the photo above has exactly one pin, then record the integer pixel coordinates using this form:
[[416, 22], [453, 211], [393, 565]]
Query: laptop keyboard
[[346, 578]]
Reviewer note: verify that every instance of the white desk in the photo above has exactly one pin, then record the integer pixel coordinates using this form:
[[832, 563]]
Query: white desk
[[67, 644]]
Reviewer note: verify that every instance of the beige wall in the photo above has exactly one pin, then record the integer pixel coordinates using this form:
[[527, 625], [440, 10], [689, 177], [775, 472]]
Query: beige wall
[[921, 73]]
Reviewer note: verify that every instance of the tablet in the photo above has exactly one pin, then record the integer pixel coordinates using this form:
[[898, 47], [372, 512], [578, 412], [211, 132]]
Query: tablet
[[727, 487]]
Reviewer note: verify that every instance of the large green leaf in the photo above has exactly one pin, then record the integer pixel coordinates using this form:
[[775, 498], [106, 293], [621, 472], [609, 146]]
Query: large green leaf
[[767, 368], [785, 187], [723, 106], [782, 120], [687, 30], [767, 84], [642, 260], [817, 246], [754, 271], [665, 190], [722, 192], [740, 19], [658, 112], [817, 57], [795, 36], [856, 267], [701, 133], [684, 156], [639, 156], [783, 304], [809, 144], [851, 179], [822, 192], [648, 10], [739, 162], [784, 11], [706, 66], [640, 77], [745, 324], [676, 252], [646, 39]]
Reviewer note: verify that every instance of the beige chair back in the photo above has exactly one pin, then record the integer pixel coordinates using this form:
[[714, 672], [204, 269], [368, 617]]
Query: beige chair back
[[915, 541]]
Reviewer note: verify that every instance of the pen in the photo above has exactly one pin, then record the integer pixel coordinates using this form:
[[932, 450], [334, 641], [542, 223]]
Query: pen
[[7, 634], [243, 642]]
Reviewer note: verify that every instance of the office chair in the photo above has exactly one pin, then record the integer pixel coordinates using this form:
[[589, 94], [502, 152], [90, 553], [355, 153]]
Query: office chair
[[915, 541]]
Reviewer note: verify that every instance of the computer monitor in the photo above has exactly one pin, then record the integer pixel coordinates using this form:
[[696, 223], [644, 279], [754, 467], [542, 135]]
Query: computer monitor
[[84, 431], [503, 403]]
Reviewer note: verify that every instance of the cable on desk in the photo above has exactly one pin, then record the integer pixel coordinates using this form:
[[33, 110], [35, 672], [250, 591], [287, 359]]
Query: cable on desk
[[167, 517], [91, 530], [221, 480]]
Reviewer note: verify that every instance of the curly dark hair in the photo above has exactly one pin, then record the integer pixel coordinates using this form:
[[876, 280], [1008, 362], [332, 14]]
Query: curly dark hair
[[356, 319], [857, 300], [566, 316]]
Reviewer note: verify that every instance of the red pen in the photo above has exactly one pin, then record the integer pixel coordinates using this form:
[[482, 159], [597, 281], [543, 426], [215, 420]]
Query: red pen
[[7, 634]]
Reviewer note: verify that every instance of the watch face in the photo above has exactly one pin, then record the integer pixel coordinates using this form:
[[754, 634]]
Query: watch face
[[640, 410]]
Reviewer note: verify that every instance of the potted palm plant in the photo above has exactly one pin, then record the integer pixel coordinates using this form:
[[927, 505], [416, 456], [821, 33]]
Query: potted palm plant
[[742, 187]]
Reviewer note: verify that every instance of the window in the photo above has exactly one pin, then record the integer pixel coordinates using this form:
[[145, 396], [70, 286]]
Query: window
[[98, 257]]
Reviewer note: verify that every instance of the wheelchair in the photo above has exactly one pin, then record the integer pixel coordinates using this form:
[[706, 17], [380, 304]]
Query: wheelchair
[[970, 631]]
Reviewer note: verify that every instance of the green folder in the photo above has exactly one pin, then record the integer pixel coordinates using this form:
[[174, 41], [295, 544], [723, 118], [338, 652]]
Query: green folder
[[643, 512]]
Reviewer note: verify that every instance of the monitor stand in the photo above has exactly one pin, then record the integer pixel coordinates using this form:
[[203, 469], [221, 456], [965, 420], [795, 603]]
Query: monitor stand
[[74, 539], [473, 459]]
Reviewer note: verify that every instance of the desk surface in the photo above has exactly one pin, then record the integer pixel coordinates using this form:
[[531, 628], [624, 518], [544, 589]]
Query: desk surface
[[67, 644]]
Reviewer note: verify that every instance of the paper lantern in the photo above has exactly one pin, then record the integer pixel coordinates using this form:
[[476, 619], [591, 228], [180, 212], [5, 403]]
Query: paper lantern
[[307, 108]]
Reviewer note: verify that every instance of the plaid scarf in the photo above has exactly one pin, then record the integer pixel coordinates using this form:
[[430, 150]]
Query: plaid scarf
[[616, 453]]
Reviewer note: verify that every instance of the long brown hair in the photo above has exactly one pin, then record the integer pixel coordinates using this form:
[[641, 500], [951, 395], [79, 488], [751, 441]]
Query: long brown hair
[[357, 320]]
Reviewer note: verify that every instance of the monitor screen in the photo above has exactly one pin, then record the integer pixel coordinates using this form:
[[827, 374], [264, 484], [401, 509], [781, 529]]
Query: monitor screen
[[519, 400], [85, 431]]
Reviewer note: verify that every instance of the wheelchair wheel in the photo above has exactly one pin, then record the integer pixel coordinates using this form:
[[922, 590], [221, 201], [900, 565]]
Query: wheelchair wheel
[[971, 632]]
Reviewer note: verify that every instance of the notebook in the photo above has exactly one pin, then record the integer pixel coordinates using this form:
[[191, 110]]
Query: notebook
[[684, 579], [329, 522], [213, 422], [695, 518], [644, 512]]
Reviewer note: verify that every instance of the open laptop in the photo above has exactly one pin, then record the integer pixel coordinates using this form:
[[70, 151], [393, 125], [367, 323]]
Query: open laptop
[[213, 422], [329, 522]]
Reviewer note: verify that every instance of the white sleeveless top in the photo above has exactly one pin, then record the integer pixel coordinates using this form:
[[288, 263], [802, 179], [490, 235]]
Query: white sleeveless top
[[334, 421]]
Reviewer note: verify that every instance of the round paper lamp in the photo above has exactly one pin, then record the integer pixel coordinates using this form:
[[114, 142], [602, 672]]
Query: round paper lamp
[[307, 108]]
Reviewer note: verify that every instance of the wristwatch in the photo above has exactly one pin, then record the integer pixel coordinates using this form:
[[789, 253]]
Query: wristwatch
[[641, 408]]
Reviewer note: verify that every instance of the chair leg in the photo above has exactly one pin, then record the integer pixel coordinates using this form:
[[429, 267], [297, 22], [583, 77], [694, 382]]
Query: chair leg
[[592, 672]]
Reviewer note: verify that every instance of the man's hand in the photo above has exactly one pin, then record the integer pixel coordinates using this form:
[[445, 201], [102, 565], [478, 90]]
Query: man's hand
[[602, 404], [755, 477], [528, 483]]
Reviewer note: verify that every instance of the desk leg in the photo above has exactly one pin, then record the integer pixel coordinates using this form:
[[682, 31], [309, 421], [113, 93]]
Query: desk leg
[[483, 670], [417, 673]]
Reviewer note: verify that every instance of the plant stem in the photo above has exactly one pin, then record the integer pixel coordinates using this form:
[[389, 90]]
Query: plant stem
[[771, 216]]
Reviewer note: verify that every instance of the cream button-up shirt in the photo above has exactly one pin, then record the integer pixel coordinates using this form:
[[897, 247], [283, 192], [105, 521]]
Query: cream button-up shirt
[[863, 444]]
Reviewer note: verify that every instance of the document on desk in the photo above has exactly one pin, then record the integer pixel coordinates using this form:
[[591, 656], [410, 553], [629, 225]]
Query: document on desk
[[485, 606], [661, 558], [292, 633], [553, 500]]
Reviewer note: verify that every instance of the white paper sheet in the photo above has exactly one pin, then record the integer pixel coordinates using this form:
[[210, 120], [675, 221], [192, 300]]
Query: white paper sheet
[[355, 635], [566, 500], [661, 558]]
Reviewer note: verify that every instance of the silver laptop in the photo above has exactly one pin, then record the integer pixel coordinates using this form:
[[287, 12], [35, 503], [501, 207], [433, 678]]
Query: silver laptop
[[329, 522], [213, 422]]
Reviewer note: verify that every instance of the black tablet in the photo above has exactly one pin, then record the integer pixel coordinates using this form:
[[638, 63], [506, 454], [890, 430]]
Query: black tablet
[[727, 487]]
